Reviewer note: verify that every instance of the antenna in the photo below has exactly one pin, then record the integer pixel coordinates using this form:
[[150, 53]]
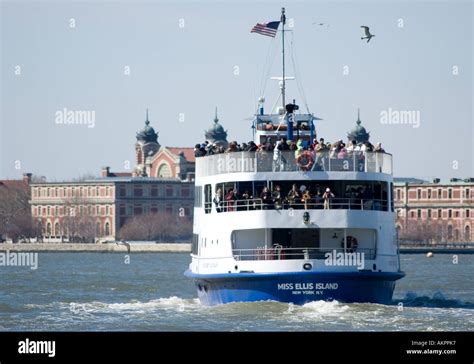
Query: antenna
[[283, 21]]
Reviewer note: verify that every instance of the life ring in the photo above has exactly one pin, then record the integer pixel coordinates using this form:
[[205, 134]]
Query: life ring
[[351, 243], [305, 160]]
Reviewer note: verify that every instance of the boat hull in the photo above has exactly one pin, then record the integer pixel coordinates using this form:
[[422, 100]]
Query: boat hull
[[298, 288]]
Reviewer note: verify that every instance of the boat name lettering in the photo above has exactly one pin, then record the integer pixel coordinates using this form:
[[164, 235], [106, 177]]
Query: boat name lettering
[[306, 286]]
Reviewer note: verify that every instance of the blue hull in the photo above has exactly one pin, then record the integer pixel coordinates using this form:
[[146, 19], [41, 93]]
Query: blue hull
[[298, 288]]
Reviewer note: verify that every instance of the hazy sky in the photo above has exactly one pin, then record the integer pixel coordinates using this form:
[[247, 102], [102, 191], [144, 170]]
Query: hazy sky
[[189, 57]]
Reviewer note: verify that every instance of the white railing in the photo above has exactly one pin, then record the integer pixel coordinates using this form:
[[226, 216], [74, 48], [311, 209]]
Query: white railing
[[313, 203], [290, 161], [278, 252]]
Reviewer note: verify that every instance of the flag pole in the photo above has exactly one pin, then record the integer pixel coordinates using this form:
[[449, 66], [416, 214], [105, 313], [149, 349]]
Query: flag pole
[[283, 20]]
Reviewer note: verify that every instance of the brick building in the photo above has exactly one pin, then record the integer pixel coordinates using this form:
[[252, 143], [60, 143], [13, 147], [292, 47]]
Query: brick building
[[162, 181], [441, 211], [101, 206], [153, 160]]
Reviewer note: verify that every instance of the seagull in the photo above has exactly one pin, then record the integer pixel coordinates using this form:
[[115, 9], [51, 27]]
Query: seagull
[[321, 24], [123, 242], [367, 34]]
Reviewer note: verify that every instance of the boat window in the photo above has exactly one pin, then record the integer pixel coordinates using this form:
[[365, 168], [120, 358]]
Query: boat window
[[207, 199], [194, 249], [391, 197], [346, 194], [197, 194], [301, 243]]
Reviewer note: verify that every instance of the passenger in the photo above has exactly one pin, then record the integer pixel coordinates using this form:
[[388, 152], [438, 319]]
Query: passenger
[[276, 196], [230, 200], [293, 195], [266, 197], [328, 195], [299, 148], [342, 154], [277, 157], [199, 150], [246, 199], [218, 200], [378, 148], [306, 198], [284, 144], [252, 147], [232, 147]]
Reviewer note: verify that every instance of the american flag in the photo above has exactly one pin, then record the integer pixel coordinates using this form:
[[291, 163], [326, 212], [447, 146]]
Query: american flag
[[268, 29]]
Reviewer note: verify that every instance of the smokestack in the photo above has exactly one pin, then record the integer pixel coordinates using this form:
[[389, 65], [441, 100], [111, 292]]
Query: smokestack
[[105, 172], [27, 178]]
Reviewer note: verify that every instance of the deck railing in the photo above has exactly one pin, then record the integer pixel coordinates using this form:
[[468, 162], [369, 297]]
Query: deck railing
[[285, 204], [281, 253], [290, 161]]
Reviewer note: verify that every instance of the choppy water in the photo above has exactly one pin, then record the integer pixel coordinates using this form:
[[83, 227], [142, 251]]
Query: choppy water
[[93, 291]]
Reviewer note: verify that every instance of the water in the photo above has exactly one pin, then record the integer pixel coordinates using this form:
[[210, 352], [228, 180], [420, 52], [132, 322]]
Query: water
[[94, 291]]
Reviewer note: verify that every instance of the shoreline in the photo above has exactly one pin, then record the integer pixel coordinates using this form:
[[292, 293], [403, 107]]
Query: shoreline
[[436, 250], [111, 247]]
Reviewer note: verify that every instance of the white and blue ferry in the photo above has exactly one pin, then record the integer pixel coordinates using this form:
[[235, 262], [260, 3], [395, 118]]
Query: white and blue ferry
[[294, 225]]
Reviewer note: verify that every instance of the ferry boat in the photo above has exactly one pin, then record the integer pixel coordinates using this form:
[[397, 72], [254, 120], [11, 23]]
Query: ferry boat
[[294, 225]]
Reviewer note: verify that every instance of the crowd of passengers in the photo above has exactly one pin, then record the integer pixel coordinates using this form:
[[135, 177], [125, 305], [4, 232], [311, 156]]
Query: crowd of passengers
[[337, 149], [296, 198]]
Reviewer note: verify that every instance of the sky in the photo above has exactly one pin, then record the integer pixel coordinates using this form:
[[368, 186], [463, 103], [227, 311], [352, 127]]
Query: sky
[[114, 59]]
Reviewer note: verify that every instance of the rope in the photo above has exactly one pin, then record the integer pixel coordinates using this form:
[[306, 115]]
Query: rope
[[299, 82], [267, 67]]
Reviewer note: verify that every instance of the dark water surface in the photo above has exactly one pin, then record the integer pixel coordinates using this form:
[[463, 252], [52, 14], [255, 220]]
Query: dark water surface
[[98, 291]]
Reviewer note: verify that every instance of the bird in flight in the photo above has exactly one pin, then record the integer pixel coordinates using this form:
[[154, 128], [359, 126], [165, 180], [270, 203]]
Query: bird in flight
[[367, 34], [321, 24]]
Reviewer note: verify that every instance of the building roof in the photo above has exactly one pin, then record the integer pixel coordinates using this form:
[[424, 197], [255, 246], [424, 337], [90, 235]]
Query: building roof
[[435, 182], [103, 180], [120, 174], [13, 183], [188, 153]]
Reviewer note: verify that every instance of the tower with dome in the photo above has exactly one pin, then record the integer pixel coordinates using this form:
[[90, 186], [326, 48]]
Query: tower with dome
[[216, 133]]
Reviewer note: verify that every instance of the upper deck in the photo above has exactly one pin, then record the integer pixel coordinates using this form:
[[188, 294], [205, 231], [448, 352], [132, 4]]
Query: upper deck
[[289, 161]]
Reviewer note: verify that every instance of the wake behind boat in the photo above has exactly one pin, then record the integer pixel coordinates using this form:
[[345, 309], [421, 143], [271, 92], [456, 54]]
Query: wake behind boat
[[290, 218]]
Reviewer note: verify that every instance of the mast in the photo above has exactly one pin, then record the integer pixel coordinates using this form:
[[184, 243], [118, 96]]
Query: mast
[[283, 20]]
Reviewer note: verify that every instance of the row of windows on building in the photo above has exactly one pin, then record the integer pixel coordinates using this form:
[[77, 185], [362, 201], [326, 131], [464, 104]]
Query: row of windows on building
[[98, 210], [432, 193], [64, 192], [59, 231], [96, 191], [108, 210], [437, 213], [155, 191], [133, 210]]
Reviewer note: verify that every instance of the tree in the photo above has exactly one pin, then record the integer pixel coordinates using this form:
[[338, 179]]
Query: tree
[[77, 224], [15, 214], [426, 231], [157, 226]]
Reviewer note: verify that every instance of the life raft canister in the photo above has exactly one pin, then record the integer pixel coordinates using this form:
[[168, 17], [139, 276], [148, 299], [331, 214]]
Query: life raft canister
[[305, 160]]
